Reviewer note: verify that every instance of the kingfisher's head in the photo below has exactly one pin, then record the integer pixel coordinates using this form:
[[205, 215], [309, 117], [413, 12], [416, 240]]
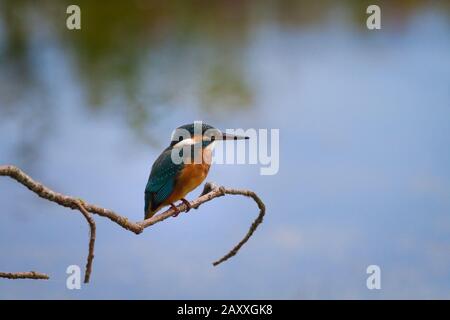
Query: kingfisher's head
[[198, 132]]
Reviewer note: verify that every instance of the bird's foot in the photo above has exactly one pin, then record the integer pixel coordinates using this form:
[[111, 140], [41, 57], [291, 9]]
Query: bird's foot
[[177, 211], [187, 203]]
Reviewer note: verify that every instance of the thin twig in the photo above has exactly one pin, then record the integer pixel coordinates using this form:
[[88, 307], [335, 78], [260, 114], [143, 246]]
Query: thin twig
[[24, 275], [255, 224], [90, 257], [210, 192]]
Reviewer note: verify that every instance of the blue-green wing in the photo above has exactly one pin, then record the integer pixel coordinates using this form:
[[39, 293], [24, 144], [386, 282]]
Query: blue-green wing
[[161, 181]]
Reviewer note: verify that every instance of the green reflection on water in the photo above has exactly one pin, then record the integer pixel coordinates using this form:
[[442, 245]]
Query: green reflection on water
[[139, 59]]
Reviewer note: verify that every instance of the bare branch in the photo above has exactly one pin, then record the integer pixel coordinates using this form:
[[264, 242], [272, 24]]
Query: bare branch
[[24, 275], [64, 200], [210, 192]]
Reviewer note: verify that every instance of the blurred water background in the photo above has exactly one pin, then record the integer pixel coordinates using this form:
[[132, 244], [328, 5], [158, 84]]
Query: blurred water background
[[364, 119]]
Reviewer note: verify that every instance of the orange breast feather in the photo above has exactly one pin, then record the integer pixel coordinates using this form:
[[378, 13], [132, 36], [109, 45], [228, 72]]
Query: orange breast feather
[[190, 178]]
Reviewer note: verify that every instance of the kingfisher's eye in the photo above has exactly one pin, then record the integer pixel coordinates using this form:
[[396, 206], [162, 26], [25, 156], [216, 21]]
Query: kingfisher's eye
[[213, 138], [176, 139]]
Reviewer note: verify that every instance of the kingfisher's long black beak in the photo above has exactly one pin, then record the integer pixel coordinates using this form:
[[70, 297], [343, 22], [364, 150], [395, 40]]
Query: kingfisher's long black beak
[[227, 136]]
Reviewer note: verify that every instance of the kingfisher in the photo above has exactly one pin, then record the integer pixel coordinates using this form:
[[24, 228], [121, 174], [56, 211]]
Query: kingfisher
[[182, 166]]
